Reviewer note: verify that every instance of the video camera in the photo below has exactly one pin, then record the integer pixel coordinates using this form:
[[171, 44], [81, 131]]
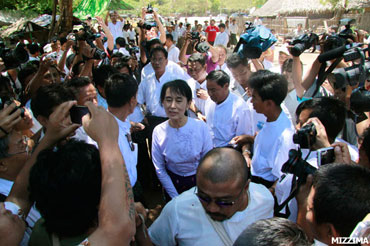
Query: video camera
[[195, 36], [254, 41], [13, 58], [304, 42], [86, 34], [149, 21]]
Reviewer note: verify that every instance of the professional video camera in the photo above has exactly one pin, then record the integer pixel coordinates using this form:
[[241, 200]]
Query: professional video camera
[[356, 74], [304, 42], [86, 34], [13, 58], [254, 41]]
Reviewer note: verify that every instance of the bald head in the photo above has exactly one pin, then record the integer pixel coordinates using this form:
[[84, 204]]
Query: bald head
[[223, 164]]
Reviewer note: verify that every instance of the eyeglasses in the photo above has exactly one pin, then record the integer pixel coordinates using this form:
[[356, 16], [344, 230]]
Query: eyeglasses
[[221, 203], [130, 142]]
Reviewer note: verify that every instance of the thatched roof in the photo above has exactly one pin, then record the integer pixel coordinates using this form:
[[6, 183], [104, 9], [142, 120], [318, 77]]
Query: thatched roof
[[284, 7], [21, 25]]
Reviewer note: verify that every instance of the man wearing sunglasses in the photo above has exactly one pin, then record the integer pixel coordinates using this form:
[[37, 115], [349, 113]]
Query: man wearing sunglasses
[[215, 212]]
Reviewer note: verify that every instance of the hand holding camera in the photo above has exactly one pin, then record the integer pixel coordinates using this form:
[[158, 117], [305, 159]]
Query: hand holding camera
[[321, 136], [10, 115]]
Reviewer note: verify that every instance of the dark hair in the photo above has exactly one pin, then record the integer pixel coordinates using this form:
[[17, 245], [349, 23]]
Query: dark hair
[[227, 164], [119, 89], [102, 73], [272, 232], [48, 97], [234, 61], [25, 72], [342, 196], [222, 25], [69, 60], [179, 87], [159, 49], [169, 36], [331, 112], [187, 25], [67, 193], [76, 83], [117, 55], [219, 76], [269, 86], [151, 43], [287, 66], [197, 57], [76, 70], [33, 48], [121, 42], [365, 145], [121, 64]]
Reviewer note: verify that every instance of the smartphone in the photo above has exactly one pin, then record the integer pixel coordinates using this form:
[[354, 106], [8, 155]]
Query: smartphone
[[77, 112], [325, 156]]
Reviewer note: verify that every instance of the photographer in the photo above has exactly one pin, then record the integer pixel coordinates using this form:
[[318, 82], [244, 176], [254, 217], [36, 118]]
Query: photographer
[[319, 122], [201, 46], [148, 31]]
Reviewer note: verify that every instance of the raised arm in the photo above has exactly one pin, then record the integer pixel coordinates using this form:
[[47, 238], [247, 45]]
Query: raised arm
[[162, 36], [58, 128], [116, 209], [107, 32]]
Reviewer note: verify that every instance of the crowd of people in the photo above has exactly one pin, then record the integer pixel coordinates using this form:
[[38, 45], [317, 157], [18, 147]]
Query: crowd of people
[[245, 152]]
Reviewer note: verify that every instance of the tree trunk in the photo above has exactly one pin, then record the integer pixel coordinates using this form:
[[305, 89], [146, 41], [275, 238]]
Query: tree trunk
[[53, 19], [64, 24]]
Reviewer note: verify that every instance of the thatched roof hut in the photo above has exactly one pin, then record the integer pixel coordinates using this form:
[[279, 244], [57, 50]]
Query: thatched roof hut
[[27, 28]]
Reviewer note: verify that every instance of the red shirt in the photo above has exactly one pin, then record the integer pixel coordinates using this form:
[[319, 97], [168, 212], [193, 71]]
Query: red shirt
[[212, 31]]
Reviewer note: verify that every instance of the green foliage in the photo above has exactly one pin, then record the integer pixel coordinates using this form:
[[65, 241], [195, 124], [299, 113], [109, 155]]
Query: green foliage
[[40, 6]]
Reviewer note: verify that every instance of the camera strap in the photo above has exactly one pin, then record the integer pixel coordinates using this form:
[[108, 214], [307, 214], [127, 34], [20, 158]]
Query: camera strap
[[324, 74], [279, 207]]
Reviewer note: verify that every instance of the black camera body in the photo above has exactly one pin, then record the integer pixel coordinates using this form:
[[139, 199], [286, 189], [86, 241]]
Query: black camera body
[[303, 42], [149, 9], [297, 166], [89, 36], [195, 36], [13, 58], [306, 136], [7, 101]]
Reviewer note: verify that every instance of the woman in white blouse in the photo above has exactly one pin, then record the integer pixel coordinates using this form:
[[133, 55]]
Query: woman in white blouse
[[180, 142]]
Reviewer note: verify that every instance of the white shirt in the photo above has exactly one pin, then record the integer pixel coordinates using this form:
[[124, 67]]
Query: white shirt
[[126, 36], [171, 67], [132, 34], [195, 85], [271, 148], [181, 31], [221, 38], [130, 156], [173, 53], [124, 51], [150, 92], [80, 134], [183, 220], [179, 150], [116, 29], [227, 119], [291, 103], [233, 28]]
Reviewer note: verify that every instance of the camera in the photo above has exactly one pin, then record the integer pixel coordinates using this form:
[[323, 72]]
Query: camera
[[89, 36], [133, 50], [149, 9], [302, 43], [7, 101], [147, 25], [356, 74], [254, 41], [13, 58], [306, 136], [195, 36], [297, 166]]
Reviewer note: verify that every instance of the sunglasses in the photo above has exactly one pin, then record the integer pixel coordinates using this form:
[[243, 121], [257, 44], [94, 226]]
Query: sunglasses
[[221, 203]]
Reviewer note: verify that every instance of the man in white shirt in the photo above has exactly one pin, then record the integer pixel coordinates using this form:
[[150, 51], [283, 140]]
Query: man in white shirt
[[224, 203], [227, 114], [115, 26], [150, 87], [132, 34], [273, 142], [120, 91], [222, 37], [197, 69], [338, 200], [173, 51]]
